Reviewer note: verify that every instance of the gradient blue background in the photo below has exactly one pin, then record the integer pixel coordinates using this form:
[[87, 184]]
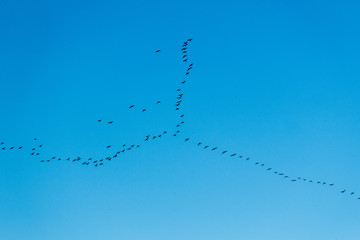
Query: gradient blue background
[[275, 80]]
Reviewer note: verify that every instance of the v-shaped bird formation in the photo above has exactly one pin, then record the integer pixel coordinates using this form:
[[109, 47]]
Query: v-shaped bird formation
[[35, 150]]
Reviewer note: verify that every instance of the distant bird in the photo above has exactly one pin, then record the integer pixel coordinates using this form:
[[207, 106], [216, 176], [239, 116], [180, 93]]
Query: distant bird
[[164, 132], [214, 149], [158, 102], [35, 139], [206, 147], [187, 73], [269, 169], [132, 106], [185, 56], [182, 115], [185, 60], [342, 191], [294, 180], [125, 144], [174, 135], [189, 40], [352, 193], [199, 143], [187, 139], [144, 110], [20, 147], [108, 146], [232, 155], [11, 147], [183, 82], [224, 152], [110, 122], [331, 184], [157, 51], [99, 120], [247, 158], [191, 65], [2, 143], [183, 49], [40, 145]]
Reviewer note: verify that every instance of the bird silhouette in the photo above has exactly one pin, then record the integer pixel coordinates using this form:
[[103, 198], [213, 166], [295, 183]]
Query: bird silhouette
[[144, 110], [132, 106], [224, 152], [110, 122], [214, 149], [157, 51], [186, 139], [158, 102]]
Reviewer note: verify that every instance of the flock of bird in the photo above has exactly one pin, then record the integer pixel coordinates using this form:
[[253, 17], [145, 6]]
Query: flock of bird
[[97, 162]]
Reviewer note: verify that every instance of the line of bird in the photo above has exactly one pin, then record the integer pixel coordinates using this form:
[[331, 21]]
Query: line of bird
[[269, 169], [179, 100], [125, 148]]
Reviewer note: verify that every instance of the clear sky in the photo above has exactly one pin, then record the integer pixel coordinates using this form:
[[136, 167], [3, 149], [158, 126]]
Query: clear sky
[[277, 81]]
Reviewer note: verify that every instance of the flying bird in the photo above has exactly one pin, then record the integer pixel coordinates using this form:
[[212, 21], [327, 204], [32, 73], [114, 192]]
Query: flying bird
[[132, 106], [157, 51]]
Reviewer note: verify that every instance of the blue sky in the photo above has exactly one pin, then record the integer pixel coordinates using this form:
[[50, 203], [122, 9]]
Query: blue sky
[[276, 81]]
